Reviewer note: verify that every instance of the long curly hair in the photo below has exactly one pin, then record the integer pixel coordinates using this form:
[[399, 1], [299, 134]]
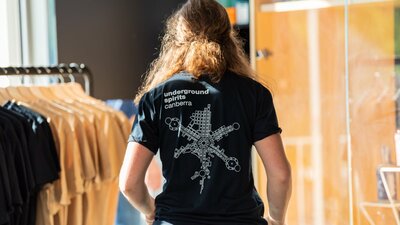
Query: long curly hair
[[200, 40]]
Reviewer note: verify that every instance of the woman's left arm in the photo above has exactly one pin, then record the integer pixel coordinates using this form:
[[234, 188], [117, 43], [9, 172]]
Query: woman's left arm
[[131, 179]]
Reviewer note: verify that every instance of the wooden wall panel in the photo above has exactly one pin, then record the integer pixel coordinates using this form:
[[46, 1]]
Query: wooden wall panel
[[371, 71], [333, 115], [285, 72]]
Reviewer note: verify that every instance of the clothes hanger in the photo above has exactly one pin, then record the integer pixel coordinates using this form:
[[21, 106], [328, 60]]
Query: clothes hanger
[[6, 95], [59, 100], [63, 90], [43, 97], [14, 93], [51, 93], [37, 92], [2, 98], [42, 107], [12, 90], [35, 96], [58, 89], [26, 91], [77, 89], [3, 92], [43, 92], [76, 92], [31, 93]]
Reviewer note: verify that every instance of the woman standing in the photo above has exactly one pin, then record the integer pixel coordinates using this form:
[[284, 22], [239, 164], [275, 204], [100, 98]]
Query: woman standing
[[202, 109]]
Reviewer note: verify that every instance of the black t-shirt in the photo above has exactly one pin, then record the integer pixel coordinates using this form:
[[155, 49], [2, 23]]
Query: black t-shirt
[[31, 161], [42, 150], [16, 182], [22, 146], [205, 132], [5, 192]]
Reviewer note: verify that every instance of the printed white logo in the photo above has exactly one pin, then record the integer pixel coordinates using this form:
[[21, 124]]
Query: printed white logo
[[203, 142]]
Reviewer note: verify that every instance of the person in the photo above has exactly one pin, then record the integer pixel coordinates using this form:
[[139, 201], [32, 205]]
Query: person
[[202, 110]]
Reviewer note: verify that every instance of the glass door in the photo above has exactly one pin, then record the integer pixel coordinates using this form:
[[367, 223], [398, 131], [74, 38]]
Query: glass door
[[334, 69], [300, 55], [373, 62]]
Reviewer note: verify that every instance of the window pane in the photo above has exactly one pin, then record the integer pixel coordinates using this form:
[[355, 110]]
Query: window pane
[[373, 40]]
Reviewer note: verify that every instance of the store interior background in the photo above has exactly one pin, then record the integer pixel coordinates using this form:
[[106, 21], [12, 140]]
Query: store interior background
[[333, 67], [117, 39]]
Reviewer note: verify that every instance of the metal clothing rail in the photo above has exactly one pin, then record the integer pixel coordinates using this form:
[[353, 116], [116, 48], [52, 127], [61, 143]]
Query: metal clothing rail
[[72, 70]]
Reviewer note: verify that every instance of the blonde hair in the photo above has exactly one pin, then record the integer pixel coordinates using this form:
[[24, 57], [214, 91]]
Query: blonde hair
[[200, 40]]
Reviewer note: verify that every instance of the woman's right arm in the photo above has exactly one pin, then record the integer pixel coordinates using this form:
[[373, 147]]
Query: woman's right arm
[[131, 179], [279, 181]]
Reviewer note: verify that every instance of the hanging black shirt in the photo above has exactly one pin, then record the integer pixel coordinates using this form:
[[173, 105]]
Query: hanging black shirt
[[205, 132], [44, 156], [28, 190], [16, 169], [5, 191], [18, 125]]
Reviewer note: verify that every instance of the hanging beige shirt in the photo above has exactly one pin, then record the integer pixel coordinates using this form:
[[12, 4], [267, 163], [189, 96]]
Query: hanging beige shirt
[[116, 127], [60, 196], [102, 202], [81, 127], [53, 195]]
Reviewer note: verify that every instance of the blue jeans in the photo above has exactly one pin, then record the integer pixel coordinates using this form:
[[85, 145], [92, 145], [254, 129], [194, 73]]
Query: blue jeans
[[126, 214]]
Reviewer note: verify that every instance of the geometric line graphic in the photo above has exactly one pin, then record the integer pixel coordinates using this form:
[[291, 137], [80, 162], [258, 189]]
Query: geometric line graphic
[[203, 140]]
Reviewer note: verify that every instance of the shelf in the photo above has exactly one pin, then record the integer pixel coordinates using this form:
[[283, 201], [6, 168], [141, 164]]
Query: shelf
[[391, 203]]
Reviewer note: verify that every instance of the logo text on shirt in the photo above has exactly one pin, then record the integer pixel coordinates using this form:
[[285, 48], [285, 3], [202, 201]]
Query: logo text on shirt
[[178, 98]]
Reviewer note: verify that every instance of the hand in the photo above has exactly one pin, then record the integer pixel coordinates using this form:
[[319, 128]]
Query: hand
[[272, 221], [150, 218]]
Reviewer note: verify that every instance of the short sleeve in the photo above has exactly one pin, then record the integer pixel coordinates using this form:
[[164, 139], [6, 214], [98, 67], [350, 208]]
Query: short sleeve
[[145, 127], [266, 122]]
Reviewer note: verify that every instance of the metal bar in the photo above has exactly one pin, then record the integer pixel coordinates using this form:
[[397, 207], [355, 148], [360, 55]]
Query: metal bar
[[386, 186], [366, 215], [71, 69]]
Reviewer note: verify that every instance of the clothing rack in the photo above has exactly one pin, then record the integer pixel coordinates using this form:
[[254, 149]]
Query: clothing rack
[[62, 70]]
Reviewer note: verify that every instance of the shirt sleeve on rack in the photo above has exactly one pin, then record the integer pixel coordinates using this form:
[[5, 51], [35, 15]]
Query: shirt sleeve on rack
[[266, 122], [145, 128]]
